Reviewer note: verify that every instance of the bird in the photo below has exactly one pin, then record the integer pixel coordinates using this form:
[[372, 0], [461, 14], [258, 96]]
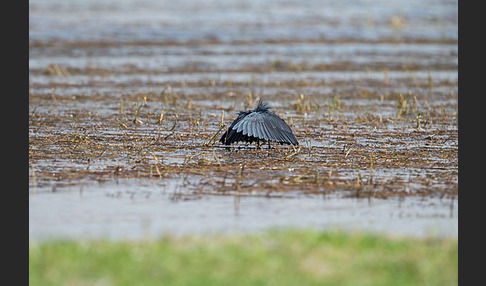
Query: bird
[[259, 124]]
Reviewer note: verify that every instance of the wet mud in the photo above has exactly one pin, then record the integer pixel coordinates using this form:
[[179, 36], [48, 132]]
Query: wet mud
[[363, 131]]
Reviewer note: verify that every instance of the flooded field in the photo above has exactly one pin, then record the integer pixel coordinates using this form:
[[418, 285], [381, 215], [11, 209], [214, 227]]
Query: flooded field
[[127, 102]]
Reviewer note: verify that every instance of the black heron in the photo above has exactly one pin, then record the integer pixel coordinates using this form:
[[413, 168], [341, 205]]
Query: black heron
[[259, 124]]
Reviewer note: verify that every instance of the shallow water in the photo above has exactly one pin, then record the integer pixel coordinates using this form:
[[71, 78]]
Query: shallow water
[[240, 20], [334, 72], [137, 209]]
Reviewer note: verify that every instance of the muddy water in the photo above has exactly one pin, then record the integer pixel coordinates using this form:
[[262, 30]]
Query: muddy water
[[125, 97]]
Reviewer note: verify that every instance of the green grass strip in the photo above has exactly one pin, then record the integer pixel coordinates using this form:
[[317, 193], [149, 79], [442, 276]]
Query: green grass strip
[[271, 258]]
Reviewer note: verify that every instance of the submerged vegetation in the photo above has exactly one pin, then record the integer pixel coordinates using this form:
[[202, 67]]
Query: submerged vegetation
[[367, 141]]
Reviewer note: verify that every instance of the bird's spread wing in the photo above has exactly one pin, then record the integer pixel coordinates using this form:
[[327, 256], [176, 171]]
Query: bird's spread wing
[[265, 125]]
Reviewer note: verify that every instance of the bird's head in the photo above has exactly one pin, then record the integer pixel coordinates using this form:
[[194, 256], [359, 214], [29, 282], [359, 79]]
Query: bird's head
[[262, 106]]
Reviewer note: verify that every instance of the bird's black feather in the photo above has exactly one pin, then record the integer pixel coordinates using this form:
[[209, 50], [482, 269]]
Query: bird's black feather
[[258, 124]]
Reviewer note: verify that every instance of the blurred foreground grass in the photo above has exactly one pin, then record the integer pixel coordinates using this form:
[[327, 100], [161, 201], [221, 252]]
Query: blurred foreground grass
[[270, 258]]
